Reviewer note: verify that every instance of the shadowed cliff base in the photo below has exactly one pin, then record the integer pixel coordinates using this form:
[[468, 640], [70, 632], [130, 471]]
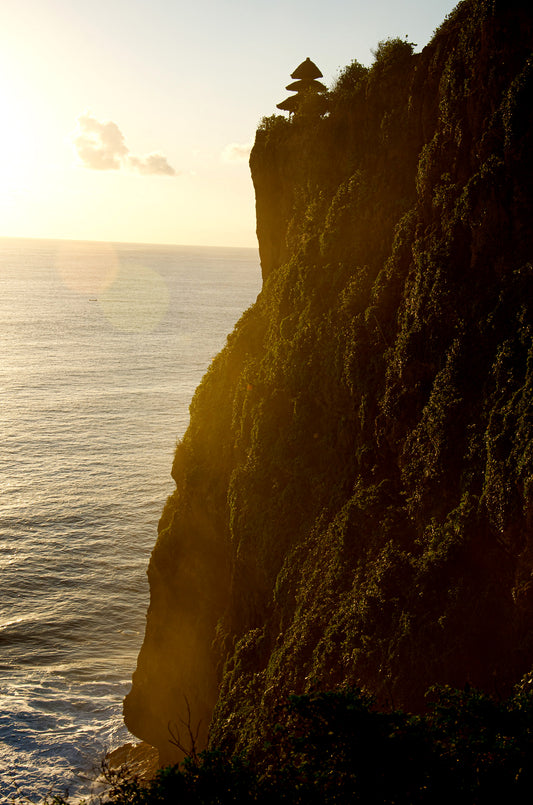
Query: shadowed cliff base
[[354, 494], [335, 747]]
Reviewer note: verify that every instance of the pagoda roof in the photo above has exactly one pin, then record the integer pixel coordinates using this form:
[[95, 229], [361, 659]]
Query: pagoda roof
[[306, 83], [307, 69], [290, 104]]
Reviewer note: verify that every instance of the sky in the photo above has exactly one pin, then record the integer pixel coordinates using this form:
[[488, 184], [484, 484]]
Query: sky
[[132, 120]]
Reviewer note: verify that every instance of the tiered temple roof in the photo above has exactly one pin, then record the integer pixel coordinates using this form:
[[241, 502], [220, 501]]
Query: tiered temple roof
[[306, 75]]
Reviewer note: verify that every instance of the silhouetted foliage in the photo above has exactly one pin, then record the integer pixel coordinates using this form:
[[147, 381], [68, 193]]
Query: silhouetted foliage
[[336, 747], [349, 80], [392, 54]]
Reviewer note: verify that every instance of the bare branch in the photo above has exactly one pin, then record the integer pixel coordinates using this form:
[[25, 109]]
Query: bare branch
[[190, 748]]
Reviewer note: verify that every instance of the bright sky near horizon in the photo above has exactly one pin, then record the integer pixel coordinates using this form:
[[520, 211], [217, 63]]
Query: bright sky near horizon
[[132, 120]]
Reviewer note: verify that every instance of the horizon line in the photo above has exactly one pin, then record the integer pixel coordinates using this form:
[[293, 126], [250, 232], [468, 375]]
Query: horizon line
[[121, 242]]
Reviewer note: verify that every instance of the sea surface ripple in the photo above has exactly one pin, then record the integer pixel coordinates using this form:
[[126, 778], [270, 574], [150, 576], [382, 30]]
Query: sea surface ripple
[[102, 347]]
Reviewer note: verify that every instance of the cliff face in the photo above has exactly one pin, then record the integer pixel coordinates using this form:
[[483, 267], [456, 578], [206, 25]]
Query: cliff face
[[354, 495]]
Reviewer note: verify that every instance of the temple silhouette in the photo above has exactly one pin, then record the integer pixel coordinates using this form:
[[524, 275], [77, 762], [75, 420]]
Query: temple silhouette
[[305, 85]]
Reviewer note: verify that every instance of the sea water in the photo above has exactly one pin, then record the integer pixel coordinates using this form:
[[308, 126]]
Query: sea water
[[101, 349]]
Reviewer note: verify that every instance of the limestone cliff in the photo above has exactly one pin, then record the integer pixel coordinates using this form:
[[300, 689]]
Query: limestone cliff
[[354, 495]]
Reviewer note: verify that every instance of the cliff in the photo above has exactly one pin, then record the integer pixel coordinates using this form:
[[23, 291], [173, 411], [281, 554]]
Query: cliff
[[354, 494]]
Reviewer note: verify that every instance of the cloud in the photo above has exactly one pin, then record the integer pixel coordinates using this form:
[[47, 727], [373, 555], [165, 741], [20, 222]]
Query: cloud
[[100, 145], [151, 164], [237, 152]]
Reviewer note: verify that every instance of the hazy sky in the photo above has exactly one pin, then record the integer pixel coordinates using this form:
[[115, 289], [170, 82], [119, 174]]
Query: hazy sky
[[131, 120]]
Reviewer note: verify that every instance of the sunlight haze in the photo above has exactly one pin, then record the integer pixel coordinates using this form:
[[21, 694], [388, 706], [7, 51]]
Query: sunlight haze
[[132, 120]]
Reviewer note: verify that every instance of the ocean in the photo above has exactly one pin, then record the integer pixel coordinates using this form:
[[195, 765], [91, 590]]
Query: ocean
[[102, 347]]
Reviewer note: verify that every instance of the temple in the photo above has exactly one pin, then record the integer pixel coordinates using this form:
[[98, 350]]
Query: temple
[[305, 85]]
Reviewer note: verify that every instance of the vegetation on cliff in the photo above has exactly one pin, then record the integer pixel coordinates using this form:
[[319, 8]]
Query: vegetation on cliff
[[335, 747], [354, 495]]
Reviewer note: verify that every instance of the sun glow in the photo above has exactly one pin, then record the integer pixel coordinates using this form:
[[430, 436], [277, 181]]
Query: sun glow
[[162, 156], [17, 140]]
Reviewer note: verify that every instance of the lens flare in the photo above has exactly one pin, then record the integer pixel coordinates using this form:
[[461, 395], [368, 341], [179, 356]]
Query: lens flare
[[87, 268], [137, 299]]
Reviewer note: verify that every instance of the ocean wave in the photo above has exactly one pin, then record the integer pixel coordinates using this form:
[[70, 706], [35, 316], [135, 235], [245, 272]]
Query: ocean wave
[[90, 417]]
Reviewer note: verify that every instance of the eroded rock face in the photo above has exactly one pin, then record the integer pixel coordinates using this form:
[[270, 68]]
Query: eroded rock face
[[176, 684], [354, 494], [273, 205]]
